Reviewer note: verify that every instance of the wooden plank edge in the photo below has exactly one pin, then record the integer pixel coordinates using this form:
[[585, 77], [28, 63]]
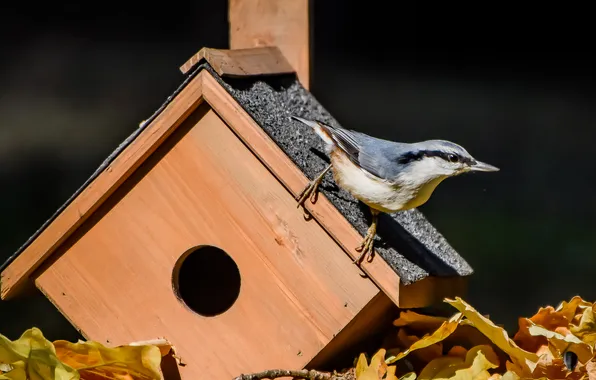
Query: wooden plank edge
[[432, 290], [15, 276], [372, 319], [294, 180], [65, 315], [267, 60]]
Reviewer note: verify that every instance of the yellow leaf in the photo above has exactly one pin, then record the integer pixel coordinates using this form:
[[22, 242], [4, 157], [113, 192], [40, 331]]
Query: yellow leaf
[[425, 354], [478, 361], [408, 376], [377, 370], [563, 343], [14, 371], [525, 360], [446, 329], [390, 375], [570, 309], [361, 365], [546, 317], [509, 375], [591, 369], [32, 357], [95, 361], [417, 321], [586, 329], [458, 351]]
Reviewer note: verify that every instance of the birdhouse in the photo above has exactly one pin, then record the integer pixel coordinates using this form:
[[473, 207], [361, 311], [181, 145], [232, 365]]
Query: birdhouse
[[190, 231]]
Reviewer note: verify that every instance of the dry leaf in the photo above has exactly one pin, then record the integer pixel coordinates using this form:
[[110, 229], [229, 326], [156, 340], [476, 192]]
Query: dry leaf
[[586, 328], [558, 320], [377, 370], [446, 329], [425, 354], [525, 360], [476, 364], [547, 317], [562, 343], [32, 357], [591, 369], [95, 361], [418, 322], [458, 351], [509, 375]]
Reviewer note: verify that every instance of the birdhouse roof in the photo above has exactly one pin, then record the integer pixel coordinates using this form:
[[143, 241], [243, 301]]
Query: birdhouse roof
[[410, 245]]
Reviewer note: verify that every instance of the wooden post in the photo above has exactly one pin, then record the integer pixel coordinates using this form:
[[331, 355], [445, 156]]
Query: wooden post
[[283, 23]]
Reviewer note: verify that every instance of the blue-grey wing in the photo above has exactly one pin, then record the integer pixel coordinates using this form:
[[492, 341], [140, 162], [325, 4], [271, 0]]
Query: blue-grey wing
[[376, 156]]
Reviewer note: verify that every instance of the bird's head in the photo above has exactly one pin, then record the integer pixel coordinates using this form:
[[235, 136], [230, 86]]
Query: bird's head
[[441, 159]]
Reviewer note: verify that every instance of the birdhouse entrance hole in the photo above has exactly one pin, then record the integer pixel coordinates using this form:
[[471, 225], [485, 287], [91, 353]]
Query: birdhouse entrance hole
[[207, 280]]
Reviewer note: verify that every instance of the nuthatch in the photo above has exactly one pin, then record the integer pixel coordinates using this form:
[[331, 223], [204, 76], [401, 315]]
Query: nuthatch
[[387, 176]]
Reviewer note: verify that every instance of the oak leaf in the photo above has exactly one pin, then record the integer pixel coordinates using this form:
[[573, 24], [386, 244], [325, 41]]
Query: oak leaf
[[586, 327], [524, 361], [377, 369], [94, 361], [475, 365], [32, 357], [428, 340]]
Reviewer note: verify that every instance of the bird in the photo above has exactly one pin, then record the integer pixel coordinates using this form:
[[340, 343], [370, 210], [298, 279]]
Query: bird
[[387, 176]]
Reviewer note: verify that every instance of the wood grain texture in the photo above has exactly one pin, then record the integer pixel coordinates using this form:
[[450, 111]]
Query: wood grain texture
[[205, 86], [431, 291], [15, 276], [294, 180], [282, 23], [203, 186], [242, 62]]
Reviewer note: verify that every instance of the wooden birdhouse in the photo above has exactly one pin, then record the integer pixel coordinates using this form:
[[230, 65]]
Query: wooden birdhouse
[[190, 231]]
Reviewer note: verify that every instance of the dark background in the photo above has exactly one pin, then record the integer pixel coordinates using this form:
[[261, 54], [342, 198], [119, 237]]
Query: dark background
[[514, 85]]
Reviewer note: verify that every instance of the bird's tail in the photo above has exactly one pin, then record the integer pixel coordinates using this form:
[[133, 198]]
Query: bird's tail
[[320, 129]]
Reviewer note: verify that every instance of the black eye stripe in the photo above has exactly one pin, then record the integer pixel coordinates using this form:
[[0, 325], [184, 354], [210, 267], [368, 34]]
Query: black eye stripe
[[415, 156]]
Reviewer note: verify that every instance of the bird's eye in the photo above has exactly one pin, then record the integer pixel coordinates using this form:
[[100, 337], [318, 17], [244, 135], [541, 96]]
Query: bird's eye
[[452, 157]]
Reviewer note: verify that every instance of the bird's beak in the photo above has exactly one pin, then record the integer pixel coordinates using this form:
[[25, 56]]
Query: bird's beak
[[310, 123], [483, 167]]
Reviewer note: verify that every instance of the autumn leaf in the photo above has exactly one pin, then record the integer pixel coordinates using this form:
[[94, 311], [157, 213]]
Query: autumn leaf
[[476, 364], [564, 343], [547, 317], [418, 322], [32, 357], [570, 309], [525, 360], [95, 361], [425, 354], [586, 328], [446, 329], [560, 320], [591, 370], [509, 375], [377, 370]]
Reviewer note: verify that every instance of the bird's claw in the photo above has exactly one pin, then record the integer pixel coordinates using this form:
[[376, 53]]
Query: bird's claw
[[312, 189], [366, 247], [309, 191]]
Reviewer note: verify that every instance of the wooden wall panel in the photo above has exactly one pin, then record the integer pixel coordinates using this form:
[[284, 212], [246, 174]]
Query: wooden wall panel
[[281, 23], [112, 278]]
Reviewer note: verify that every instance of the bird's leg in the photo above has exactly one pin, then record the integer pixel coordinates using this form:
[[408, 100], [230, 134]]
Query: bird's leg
[[312, 188], [367, 243]]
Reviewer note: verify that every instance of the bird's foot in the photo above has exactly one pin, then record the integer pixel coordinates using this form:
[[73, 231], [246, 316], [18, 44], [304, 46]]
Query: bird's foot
[[312, 189], [366, 247], [309, 191]]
